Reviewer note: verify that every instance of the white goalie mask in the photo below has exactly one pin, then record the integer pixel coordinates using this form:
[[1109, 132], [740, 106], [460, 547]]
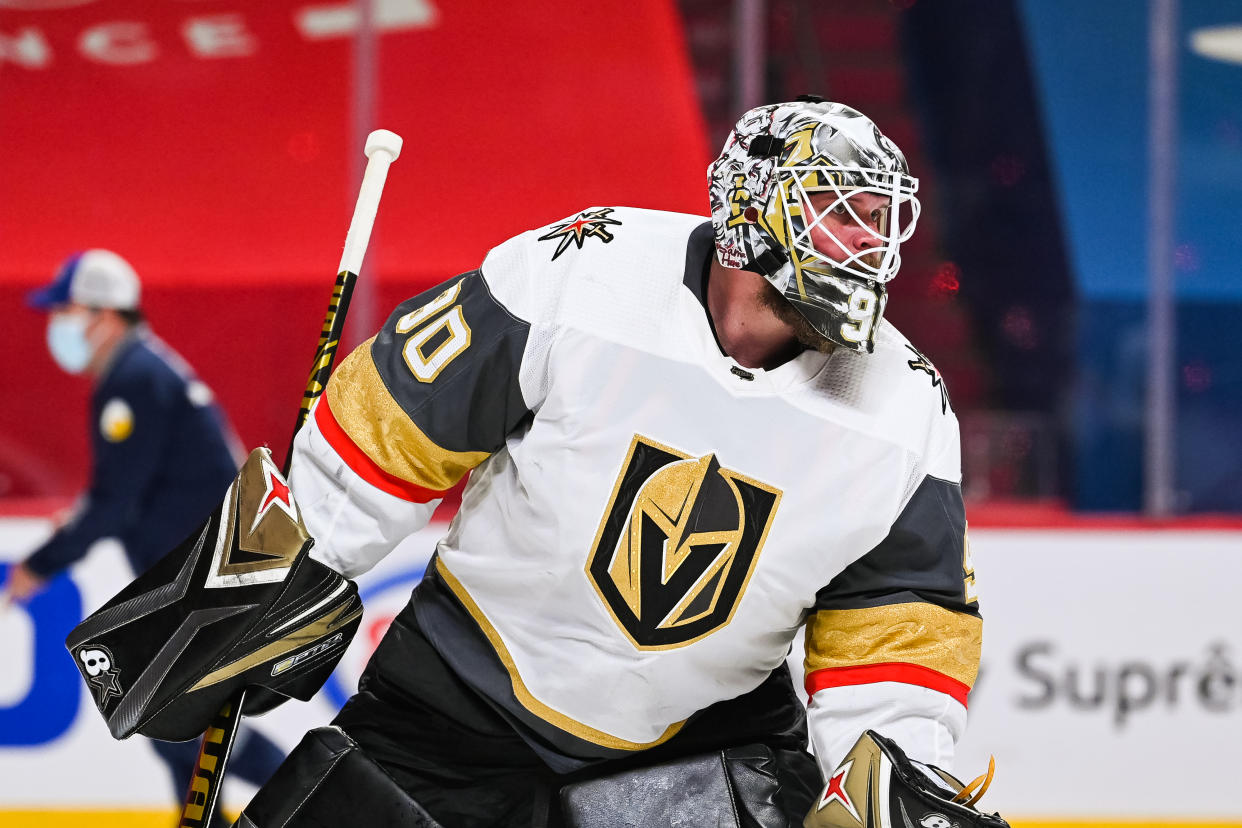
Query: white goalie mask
[[812, 195]]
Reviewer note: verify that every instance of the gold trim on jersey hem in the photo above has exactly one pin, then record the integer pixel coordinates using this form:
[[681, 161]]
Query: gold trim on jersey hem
[[912, 633], [380, 428], [523, 694]]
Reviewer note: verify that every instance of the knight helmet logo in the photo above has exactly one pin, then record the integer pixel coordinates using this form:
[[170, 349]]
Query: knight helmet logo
[[677, 544]]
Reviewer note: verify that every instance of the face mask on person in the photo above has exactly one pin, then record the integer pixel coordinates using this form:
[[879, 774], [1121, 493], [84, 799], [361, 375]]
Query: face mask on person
[[67, 342]]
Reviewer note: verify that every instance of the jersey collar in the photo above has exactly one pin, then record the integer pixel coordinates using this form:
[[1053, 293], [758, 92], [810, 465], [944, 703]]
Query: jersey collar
[[700, 247]]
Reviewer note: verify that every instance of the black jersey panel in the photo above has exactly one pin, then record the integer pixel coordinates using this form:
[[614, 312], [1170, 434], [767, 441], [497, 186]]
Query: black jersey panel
[[450, 357], [923, 558]]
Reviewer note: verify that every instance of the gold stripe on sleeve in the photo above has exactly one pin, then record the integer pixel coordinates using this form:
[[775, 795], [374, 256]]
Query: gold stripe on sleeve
[[912, 633], [373, 420]]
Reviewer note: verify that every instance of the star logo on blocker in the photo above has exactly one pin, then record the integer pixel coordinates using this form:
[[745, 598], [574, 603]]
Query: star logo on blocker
[[922, 363], [101, 671], [577, 229], [835, 792], [276, 494], [107, 684]]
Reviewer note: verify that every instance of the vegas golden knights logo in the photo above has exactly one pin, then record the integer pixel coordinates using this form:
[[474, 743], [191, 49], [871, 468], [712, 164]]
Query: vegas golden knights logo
[[677, 544]]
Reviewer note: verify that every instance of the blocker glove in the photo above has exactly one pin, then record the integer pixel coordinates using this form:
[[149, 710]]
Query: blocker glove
[[877, 784], [240, 603]]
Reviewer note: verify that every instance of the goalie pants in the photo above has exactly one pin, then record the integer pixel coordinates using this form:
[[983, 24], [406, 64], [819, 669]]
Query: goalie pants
[[467, 766]]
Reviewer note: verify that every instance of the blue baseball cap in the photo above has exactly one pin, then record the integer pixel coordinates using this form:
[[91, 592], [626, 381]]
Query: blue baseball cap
[[95, 278]]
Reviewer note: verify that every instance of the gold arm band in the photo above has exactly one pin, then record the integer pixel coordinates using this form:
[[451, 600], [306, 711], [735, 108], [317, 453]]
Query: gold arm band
[[912, 633], [368, 414]]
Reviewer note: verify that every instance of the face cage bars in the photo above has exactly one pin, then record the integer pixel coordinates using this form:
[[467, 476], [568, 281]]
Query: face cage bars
[[898, 187]]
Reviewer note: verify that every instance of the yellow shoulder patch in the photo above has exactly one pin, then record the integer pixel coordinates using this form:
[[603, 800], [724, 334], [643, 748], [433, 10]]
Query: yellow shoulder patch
[[116, 420]]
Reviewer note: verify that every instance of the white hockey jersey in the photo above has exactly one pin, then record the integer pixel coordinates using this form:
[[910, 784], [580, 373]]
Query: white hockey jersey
[[648, 523]]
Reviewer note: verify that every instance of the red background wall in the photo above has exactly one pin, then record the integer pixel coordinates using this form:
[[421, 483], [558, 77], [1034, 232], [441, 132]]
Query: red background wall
[[210, 144]]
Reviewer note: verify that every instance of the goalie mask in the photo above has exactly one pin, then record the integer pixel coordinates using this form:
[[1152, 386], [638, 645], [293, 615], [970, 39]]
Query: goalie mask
[[239, 603], [811, 195]]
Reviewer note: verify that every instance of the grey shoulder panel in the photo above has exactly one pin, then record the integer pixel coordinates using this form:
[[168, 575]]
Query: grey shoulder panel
[[451, 358], [921, 559]]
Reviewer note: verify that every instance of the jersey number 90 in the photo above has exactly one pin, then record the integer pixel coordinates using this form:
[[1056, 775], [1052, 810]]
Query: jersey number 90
[[440, 334]]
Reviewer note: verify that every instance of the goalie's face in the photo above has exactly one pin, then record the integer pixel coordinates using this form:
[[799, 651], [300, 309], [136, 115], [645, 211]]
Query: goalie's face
[[813, 196], [842, 230], [845, 223], [848, 228]]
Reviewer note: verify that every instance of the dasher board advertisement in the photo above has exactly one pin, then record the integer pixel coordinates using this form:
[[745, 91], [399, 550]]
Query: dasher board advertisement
[[1109, 689]]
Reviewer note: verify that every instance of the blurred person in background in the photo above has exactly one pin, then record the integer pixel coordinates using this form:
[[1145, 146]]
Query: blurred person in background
[[163, 451]]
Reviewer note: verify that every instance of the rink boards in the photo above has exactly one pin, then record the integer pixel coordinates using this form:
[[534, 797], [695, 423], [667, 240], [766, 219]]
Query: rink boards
[[1109, 694]]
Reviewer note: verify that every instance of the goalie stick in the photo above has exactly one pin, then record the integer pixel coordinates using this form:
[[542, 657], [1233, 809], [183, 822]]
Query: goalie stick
[[382, 148]]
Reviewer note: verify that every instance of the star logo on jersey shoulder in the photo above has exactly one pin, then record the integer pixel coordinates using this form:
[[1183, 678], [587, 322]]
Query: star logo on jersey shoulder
[[835, 792], [578, 229], [922, 363]]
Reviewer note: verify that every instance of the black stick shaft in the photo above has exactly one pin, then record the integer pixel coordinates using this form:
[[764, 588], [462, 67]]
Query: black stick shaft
[[325, 354], [217, 745], [203, 796]]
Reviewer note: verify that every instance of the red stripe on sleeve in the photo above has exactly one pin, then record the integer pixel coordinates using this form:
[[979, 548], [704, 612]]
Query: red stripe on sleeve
[[361, 464], [872, 673]]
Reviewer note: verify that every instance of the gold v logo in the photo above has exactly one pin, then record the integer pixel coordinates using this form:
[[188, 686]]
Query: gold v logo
[[677, 544]]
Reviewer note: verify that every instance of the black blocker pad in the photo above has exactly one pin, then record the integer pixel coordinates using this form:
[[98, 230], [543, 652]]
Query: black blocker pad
[[239, 603]]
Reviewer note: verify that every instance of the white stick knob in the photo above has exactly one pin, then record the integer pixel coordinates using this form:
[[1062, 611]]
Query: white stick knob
[[381, 140], [382, 149]]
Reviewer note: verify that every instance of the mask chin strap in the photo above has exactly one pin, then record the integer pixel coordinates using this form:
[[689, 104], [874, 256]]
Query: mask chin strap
[[767, 263], [771, 260]]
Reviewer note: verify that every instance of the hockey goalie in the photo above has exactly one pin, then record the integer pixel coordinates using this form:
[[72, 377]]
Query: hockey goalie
[[687, 438]]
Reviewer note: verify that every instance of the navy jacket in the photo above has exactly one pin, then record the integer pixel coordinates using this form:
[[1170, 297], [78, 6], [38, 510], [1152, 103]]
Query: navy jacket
[[163, 457]]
